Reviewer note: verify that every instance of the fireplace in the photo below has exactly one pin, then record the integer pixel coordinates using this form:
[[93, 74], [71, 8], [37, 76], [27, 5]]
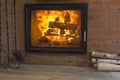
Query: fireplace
[[56, 28]]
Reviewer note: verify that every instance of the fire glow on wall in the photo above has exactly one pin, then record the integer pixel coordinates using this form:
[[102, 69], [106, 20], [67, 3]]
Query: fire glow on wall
[[56, 27]]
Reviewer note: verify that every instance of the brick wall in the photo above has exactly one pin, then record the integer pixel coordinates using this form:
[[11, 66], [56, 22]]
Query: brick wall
[[103, 32]]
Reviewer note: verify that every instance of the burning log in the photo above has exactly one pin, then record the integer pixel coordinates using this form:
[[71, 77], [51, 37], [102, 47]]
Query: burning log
[[67, 17], [107, 67], [56, 43], [63, 26], [43, 40]]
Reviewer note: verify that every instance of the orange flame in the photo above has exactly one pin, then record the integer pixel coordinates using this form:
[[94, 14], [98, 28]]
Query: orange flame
[[45, 16]]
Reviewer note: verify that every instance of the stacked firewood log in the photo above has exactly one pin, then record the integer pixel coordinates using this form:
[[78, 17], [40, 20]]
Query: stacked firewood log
[[105, 61]]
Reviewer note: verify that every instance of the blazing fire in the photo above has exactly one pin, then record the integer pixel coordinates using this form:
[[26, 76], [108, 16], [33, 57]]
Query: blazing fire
[[58, 27]]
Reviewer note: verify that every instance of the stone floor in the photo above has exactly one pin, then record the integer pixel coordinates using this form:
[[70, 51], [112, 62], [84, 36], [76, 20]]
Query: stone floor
[[50, 72]]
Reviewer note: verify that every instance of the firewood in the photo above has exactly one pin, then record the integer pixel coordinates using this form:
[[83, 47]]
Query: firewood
[[105, 55], [107, 67], [67, 17], [94, 65], [95, 60], [43, 40]]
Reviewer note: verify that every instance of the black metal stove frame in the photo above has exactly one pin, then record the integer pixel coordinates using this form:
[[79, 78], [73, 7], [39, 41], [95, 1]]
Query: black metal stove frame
[[79, 6]]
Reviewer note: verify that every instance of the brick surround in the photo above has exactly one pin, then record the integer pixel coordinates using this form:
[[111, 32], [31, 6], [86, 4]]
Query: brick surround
[[103, 32]]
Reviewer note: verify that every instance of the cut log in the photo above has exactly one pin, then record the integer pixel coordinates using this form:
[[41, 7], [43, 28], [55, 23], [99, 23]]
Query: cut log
[[107, 67], [105, 55], [95, 60], [62, 26], [94, 65], [43, 40]]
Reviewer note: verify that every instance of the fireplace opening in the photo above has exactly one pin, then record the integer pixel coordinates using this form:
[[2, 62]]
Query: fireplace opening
[[56, 27]]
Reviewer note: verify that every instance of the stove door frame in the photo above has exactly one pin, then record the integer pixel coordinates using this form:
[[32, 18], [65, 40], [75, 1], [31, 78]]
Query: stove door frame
[[79, 6]]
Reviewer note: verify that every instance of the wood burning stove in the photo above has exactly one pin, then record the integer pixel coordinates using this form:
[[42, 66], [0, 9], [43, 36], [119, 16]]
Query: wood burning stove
[[56, 27]]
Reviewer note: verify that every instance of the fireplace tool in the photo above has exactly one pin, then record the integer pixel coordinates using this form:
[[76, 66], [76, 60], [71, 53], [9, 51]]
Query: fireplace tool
[[3, 61], [0, 29], [5, 58], [1, 45], [17, 53]]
